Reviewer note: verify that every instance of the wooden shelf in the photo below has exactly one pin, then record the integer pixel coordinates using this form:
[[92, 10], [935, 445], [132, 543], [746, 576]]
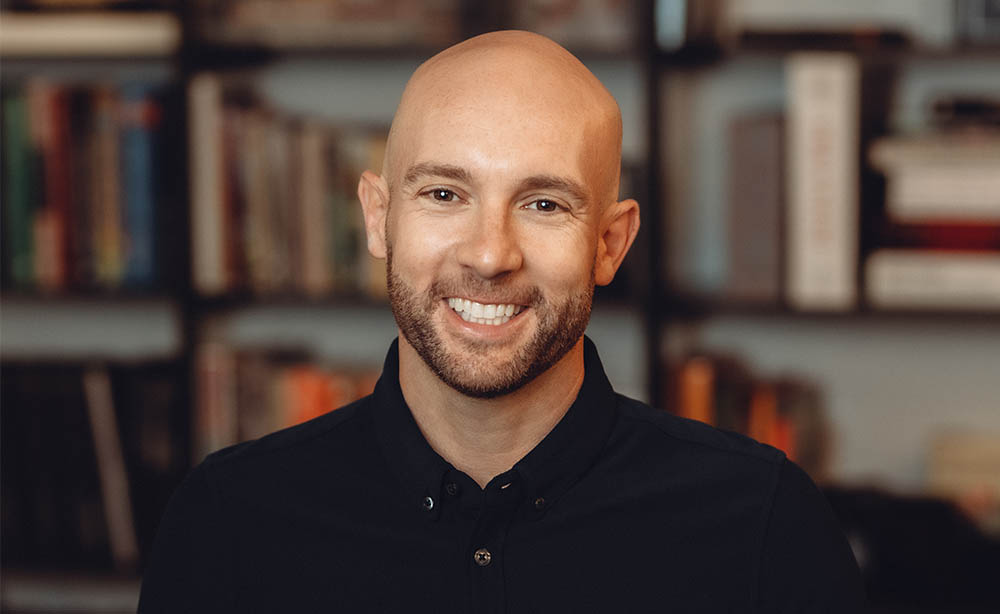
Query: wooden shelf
[[125, 35], [25, 591]]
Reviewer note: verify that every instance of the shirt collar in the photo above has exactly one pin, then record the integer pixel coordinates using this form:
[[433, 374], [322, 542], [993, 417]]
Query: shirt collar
[[542, 476]]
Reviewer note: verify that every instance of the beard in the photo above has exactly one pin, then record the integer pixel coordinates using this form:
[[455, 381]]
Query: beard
[[478, 371]]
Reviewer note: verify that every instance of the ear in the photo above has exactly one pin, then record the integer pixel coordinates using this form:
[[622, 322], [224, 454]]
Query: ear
[[619, 226], [373, 192]]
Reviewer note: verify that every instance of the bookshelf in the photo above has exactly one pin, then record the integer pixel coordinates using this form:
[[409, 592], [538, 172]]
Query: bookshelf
[[883, 371]]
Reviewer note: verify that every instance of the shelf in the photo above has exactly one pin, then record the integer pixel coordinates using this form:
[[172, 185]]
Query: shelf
[[703, 56], [85, 329], [54, 592], [123, 35], [691, 307]]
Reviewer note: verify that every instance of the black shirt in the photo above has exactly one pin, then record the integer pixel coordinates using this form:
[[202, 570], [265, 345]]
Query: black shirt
[[621, 508]]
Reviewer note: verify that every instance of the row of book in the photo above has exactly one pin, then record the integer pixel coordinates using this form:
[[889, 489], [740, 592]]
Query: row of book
[[90, 457], [812, 194], [81, 177], [274, 206], [591, 24], [787, 413], [245, 394]]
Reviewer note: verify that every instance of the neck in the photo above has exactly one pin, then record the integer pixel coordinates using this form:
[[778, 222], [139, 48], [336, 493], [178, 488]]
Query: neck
[[485, 437]]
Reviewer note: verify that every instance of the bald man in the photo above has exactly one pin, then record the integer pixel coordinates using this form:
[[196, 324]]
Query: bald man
[[494, 469]]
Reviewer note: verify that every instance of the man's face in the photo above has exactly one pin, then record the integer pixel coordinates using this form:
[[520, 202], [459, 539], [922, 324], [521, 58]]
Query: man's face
[[491, 240]]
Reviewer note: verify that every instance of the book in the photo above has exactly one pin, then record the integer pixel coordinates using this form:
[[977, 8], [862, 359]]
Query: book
[[933, 279], [949, 177], [140, 115], [111, 469], [208, 238], [19, 182], [822, 198], [756, 205]]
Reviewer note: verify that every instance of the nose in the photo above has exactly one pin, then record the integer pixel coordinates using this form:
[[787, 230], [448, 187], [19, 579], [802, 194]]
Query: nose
[[490, 246]]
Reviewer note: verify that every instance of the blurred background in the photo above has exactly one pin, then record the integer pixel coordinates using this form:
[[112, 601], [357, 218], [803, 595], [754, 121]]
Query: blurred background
[[183, 265]]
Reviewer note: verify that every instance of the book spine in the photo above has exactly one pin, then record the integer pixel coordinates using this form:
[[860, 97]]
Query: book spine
[[111, 469], [108, 239], [17, 174], [139, 113], [904, 279], [823, 157], [755, 208], [216, 420], [315, 214], [205, 155]]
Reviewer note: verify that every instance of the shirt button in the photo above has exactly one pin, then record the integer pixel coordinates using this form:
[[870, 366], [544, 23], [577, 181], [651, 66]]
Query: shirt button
[[428, 503], [451, 488], [539, 503], [482, 557]]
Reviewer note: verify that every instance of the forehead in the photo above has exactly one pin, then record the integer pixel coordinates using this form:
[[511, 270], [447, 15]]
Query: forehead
[[504, 133]]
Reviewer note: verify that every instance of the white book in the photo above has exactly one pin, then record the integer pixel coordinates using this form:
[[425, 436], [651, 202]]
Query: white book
[[940, 178], [922, 279], [822, 208], [208, 238], [111, 469]]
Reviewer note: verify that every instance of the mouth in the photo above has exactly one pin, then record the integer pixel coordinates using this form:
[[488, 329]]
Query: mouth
[[491, 314]]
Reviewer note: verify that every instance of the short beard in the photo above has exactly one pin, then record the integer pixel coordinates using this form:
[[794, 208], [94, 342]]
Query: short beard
[[559, 329]]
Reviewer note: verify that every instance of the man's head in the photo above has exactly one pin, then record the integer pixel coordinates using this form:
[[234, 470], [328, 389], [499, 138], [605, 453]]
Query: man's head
[[499, 187]]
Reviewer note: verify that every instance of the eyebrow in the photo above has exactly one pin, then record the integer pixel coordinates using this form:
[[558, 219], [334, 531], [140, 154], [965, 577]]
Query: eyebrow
[[457, 173], [432, 169], [559, 184]]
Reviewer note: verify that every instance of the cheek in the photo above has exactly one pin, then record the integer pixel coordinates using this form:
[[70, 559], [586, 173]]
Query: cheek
[[560, 259], [419, 246]]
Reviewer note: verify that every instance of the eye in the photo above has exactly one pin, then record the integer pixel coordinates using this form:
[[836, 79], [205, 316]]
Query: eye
[[544, 205], [442, 195]]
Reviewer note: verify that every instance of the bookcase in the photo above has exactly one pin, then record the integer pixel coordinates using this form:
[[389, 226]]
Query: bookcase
[[242, 103]]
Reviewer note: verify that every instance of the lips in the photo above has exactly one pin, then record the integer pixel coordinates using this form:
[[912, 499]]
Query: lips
[[484, 313]]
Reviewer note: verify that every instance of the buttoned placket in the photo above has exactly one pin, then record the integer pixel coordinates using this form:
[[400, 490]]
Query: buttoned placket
[[485, 553]]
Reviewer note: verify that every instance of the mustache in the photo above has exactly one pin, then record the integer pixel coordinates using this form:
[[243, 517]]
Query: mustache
[[486, 291]]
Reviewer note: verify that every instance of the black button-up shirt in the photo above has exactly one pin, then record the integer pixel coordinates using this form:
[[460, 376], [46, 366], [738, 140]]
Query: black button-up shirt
[[621, 508]]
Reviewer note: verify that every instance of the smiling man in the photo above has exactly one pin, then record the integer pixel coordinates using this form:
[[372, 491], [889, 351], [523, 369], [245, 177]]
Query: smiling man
[[494, 469]]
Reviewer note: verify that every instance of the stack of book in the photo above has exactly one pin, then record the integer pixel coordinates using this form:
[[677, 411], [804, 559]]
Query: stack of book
[[80, 177], [274, 208], [940, 236], [246, 394]]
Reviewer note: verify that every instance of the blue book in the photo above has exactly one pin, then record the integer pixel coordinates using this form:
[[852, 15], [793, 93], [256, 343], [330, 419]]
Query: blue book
[[139, 116]]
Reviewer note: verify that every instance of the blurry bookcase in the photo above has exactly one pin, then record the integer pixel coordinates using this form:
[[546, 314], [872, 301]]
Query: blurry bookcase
[[781, 158]]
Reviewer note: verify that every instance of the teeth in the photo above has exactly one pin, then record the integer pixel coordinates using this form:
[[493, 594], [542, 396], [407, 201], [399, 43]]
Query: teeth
[[479, 313]]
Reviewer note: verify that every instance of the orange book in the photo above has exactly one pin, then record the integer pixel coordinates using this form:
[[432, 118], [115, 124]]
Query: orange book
[[696, 392], [762, 423]]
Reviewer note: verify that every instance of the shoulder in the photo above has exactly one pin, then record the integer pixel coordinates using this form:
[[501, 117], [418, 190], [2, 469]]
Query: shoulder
[[694, 437], [292, 448]]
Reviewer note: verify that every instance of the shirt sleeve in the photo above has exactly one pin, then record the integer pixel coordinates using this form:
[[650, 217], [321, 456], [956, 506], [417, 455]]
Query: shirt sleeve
[[806, 562], [189, 569]]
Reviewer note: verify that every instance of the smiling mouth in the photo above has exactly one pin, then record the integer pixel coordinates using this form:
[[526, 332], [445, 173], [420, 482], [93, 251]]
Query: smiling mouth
[[493, 314]]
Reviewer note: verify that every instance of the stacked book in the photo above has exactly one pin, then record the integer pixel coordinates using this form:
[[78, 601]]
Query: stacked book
[[80, 185], [940, 240]]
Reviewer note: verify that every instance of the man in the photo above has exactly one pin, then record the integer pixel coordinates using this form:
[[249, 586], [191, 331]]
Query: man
[[494, 469]]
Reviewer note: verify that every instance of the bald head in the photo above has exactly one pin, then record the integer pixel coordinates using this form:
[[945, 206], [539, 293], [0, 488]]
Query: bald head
[[510, 82]]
